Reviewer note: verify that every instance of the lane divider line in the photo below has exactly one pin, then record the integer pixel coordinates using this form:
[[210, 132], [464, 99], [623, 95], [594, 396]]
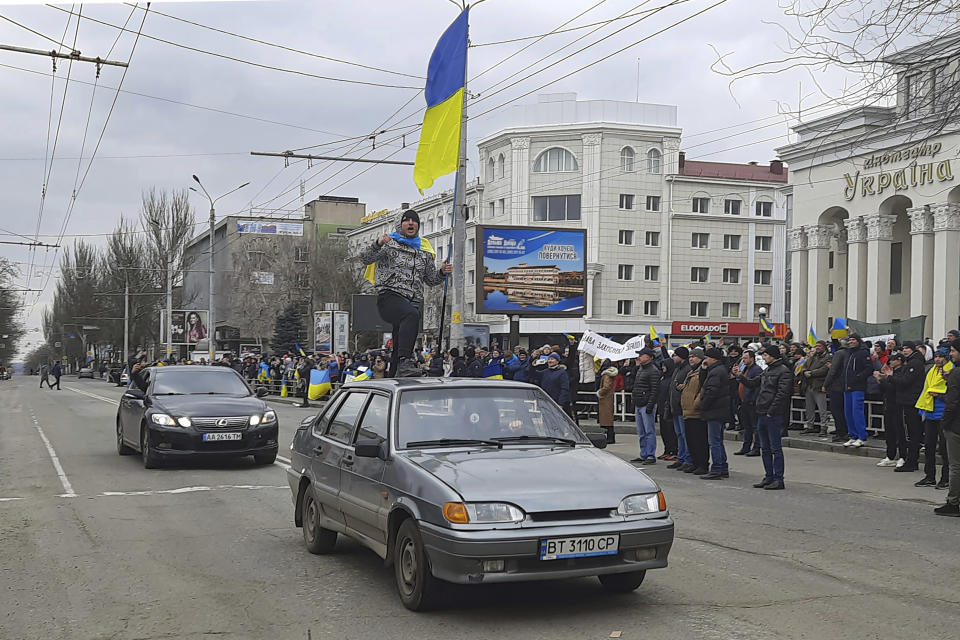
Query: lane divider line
[[67, 487], [111, 401], [197, 489], [10, 499]]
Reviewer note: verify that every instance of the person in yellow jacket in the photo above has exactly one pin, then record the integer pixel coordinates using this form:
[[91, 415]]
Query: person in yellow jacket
[[930, 406]]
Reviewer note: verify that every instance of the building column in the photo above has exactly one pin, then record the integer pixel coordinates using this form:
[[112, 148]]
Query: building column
[[946, 273], [778, 303], [921, 265], [593, 270], [856, 269], [797, 246], [590, 199], [818, 275], [520, 181], [839, 279], [879, 238]]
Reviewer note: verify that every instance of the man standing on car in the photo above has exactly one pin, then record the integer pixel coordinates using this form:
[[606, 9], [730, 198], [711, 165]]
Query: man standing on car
[[401, 262]]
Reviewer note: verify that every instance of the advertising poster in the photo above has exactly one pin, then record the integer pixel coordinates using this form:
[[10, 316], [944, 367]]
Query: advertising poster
[[188, 327], [269, 227], [323, 331], [531, 271], [476, 335], [341, 331]]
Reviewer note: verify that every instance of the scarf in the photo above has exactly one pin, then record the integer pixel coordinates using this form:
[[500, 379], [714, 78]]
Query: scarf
[[417, 243], [934, 382]]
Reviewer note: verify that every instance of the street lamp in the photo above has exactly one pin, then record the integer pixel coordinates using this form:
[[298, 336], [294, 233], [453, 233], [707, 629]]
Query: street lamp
[[211, 323]]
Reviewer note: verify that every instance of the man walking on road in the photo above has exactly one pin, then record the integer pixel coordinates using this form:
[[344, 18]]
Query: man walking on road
[[776, 383], [57, 371], [44, 375], [950, 423], [401, 262]]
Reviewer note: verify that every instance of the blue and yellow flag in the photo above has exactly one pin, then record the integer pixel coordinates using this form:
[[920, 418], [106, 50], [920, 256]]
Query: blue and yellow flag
[[300, 350], [319, 384], [839, 329], [438, 152], [264, 372], [708, 337], [493, 370], [798, 368], [654, 336], [766, 325], [363, 373], [370, 274], [811, 336], [283, 389]]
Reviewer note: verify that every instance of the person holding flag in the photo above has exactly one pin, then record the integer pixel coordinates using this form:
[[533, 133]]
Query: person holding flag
[[399, 264]]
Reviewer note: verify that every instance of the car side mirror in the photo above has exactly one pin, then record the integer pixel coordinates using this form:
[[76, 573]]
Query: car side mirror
[[371, 449], [261, 391], [599, 440], [134, 394], [306, 422]]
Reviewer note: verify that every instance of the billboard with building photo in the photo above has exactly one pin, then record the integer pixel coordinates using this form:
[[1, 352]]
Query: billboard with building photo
[[531, 271], [323, 331]]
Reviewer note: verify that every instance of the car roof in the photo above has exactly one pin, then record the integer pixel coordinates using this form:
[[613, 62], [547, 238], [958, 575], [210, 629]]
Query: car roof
[[189, 367], [394, 385]]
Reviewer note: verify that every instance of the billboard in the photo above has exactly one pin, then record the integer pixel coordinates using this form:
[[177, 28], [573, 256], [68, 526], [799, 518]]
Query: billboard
[[269, 227], [261, 277], [531, 271], [323, 331], [476, 335], [188, 326], [341, 331]]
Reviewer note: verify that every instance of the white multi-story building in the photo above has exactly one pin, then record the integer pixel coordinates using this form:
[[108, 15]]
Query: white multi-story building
[[670, 242]]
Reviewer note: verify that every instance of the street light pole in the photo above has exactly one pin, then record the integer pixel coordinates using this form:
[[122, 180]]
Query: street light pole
[[211, 307]]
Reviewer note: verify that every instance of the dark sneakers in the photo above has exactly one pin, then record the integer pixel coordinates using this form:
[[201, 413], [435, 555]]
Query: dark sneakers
[[408, 369], [687, 468], [700, 472], [675, 465], [907, 468], [943, 484], [752, 454], [925, 482], [714, 475], [775, 485], [763, 483], [948, 509]]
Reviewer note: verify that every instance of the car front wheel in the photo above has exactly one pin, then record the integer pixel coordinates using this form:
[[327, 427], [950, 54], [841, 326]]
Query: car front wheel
[[150, 458], [415, 583], [122, 447], [317, 539], [622, 582]]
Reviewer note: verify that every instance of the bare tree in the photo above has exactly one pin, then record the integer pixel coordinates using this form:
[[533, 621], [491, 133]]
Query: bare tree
[[11, 330]]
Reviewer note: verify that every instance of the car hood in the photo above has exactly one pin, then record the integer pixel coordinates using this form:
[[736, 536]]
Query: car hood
[[209, 406], [537, 478]]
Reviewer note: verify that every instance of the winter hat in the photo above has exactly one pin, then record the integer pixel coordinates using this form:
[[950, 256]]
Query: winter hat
[[955, 344], [410, 214], [469, 353], [554, 356], [855, 336], [734, 348], [682, 352], [773, 351], [943, 352], [696, 352], [455, 353], [714, 353], [897, 356], [954, 332], [647, 351], [910, 343]]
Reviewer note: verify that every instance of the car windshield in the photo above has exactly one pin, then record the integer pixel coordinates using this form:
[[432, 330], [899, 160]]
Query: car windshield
[[483, 413], [198, 381]]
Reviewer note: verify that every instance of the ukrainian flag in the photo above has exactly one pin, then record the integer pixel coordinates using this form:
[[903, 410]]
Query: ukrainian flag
[[766, 325], [811, 336], [264, 372], [438, 152], [283, 389], [708, 338], [839, 329], [493, 370], [363, 374], [654, 336], [300, 349], [370, 273], [319, 384]]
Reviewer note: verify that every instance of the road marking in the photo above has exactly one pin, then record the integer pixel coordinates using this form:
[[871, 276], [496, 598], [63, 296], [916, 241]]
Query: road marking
[[196, 489], [111, 401], [67, 487], [284, 460], [9, 499]]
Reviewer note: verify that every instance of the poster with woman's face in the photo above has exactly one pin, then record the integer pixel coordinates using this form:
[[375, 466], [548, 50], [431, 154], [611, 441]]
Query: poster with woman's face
[[196, 326]]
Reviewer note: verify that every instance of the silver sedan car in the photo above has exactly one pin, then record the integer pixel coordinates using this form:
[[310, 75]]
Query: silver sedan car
[[472, 481]]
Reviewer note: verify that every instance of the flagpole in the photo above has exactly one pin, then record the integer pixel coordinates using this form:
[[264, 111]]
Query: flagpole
[[460, 223]]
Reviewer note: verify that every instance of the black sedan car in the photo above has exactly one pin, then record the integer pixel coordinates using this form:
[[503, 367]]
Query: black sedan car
[[181, 411]]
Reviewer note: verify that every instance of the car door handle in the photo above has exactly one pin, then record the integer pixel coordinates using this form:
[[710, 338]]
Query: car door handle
[[318, 449], [348, 460]]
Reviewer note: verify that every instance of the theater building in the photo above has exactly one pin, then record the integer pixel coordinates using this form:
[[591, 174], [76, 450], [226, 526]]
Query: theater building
[[875, 232]]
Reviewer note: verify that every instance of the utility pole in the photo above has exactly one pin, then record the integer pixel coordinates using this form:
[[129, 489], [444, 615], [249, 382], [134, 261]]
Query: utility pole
[[307, 156], [211, 306], [126, 321], [460, 228], [73, 55], [169, 321], [31, 244]]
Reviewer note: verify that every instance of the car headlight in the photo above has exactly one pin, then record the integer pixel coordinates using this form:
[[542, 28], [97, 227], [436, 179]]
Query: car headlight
[[254, 421], [269, 416], [642, 503], [481, 512], [163, 419], [184, 422]]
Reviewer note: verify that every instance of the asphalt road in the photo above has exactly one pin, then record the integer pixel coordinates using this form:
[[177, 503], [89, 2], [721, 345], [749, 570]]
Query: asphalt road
[[94, 546]]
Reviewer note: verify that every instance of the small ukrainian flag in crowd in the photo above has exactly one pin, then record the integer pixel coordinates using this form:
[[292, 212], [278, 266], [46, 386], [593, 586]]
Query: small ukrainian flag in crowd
[[438, 152], [839, 329], [363, 373], [708, 337], [766, 325], [655, 337], [283, 389], [811, 336], [319, 384], [300, 350], [493, 370]]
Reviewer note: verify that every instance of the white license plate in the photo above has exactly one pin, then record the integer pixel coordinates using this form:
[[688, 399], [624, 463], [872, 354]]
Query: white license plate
[[211, 437], [580, 547]]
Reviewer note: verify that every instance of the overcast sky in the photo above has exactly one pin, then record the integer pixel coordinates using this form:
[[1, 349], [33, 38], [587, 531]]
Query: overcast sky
[[155, 142]]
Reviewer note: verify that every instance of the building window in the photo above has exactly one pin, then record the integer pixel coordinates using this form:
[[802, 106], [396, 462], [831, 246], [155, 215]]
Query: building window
[[830, 293], [303, 281], [941, 88], [471, 276], [699, 274], [502, 205], [731, 276], [731, 207], [626, 159], [764, 209], [653, 161], [896, 267], [626, 201], [911, 95], [652, 239], [625, 238], [624, 272], [429, 225], [830, 260], [698, 309], [651, 273], [700, 240], [761, 276], [763, 243], [731, 242], [555, 159], [556, 208], [469, 308], [701, 205], [624, 307], [471, 245], [440, 252], [500, 163], [493, 208], [651, 307], [731, 309], [490, 170], [300, 255], [653, 203]]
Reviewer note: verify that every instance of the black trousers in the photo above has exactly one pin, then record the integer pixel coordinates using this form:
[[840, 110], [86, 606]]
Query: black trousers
[[668, 434], [933, 436], [839, 417], [404, 316], [748, 420], [915, 434], [696, 430], [894, 431]]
